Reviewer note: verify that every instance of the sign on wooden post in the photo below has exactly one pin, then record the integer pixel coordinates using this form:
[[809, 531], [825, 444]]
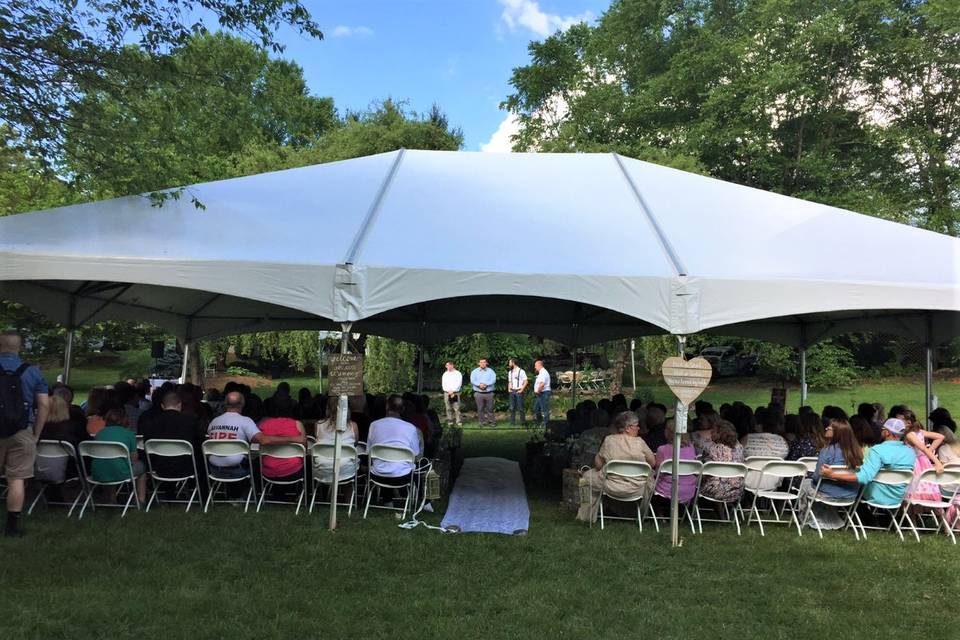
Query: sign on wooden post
[[345, 374], [687, 379]]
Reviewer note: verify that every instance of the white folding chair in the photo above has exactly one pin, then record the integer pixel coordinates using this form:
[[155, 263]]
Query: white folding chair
[[793, 472], [755, 466], [285, 451], [728, 471], [845, 506], [893, 478], [106, 451], [684, 469], [163, 448], [811, 462], [217, 477], [389, 453], [950, 476], [60, 450], [639, 472], [325, 451]]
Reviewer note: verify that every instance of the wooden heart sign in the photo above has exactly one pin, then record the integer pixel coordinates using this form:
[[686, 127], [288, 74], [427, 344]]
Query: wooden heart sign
[[687, 378]]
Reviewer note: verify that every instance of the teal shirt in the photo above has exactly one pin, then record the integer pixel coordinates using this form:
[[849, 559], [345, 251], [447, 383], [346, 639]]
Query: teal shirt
[[113, 470], [890, 454]]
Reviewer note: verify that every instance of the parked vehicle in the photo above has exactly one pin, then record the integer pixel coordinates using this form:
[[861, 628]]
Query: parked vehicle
[[727, 361]]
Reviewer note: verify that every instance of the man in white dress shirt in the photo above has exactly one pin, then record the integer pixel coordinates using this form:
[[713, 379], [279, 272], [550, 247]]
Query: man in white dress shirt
[[541, 389], [517, 386], [451, 383]]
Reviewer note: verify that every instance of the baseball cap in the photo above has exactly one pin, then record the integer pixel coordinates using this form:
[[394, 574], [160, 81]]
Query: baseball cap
[[895, 426]]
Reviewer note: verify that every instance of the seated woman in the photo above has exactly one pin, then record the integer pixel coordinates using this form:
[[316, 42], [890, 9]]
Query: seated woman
[[766, 441], [59, 426], [113, 470], [325, 433], [843, 450], [687, 485], [809, 438], [724, 448], [280, 422], [622, 445]]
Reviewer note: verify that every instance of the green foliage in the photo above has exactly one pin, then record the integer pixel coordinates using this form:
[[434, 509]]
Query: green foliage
[[847, 103], [53, 52], [830, 365], [236, 370], [390, 365]]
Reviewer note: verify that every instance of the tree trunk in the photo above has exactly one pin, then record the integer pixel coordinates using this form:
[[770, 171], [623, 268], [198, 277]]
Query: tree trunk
[[621, 349]]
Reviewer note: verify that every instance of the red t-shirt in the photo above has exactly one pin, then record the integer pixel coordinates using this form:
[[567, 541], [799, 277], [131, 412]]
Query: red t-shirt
[[279, 467]]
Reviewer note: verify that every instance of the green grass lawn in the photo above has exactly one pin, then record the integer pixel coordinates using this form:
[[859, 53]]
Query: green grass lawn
[[227, 574]]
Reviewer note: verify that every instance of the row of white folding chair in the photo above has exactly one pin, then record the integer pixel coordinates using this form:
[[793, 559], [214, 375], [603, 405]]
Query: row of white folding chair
[[641, 473]]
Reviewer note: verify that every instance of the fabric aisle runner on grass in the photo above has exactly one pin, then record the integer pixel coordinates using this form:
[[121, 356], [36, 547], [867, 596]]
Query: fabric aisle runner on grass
[[488, 497]]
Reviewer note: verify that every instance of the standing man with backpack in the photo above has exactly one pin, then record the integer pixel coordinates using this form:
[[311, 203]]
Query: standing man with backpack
[[24, 405]]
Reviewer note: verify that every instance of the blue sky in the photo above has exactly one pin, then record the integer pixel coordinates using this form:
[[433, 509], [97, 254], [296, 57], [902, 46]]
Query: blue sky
[[457, 53]]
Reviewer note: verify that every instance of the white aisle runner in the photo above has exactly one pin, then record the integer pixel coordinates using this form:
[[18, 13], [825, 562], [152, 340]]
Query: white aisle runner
[[488, 496]]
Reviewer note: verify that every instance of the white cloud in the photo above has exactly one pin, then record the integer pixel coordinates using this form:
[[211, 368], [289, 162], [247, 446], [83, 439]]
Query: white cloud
[[527, 14], [500, 142], [343, 31]]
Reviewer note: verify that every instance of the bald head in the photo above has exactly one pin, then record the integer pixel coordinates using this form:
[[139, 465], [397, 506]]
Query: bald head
[[233, 401], [10, 342]]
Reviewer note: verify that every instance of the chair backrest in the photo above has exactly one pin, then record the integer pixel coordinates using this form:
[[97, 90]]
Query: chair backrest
[[226, 447], [724, 469], [784, 469], [684, 467], [948, 477], [168, 448], [565, 377], [389, 453], [325, 451], [286, 450], [894, 477], [627, 469], [811, 463], [756, 463], [103, 450], [56, 449]]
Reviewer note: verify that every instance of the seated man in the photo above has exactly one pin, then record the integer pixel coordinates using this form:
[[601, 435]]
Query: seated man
[[891, 453], [172, 424], [394, 431], [233, 425]]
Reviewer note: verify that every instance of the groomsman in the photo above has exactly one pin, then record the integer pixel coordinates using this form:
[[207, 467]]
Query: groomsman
[[483, 380], [451, 382], [517, 386], [541, 388]]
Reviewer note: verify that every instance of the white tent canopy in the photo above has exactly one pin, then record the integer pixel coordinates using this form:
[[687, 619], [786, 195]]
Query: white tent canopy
[[426, 245]]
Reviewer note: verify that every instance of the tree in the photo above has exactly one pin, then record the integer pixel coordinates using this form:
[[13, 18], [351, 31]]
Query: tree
[[25, 183], [54, 52], [784, 95], [220, 96]]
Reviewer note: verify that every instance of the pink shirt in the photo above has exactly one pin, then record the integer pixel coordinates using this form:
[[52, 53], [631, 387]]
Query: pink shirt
[[687, 485], [279, 467]]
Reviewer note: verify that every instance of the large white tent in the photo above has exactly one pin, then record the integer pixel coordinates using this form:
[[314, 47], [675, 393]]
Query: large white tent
[[425, 245]]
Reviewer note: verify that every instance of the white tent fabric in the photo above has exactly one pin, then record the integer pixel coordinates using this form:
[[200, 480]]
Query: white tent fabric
[[425, 245]]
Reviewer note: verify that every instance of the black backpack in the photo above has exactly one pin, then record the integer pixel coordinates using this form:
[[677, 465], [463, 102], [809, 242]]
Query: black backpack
[[13, 408]]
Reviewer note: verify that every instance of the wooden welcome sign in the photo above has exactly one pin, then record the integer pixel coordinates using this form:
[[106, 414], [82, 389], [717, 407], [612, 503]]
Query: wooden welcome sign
[[687, 378]]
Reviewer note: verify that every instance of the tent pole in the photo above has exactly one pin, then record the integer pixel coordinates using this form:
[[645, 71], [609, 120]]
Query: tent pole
[[679, 428], [803, 377], [928, 374], [320, 361], [68, 346], [633, 364], [573, 385], [343, 408], [419, 369], [186, 362]]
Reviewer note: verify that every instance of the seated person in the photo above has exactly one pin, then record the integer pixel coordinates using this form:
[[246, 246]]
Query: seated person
[[724, 447], [892, 453], [769, 442], [587, 445], [625, 444], [281, 423], [172, 424], [394, 431], [845, 451], [687, 485], [233, 425], [116, 470], [63, 426], [325, 434]]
